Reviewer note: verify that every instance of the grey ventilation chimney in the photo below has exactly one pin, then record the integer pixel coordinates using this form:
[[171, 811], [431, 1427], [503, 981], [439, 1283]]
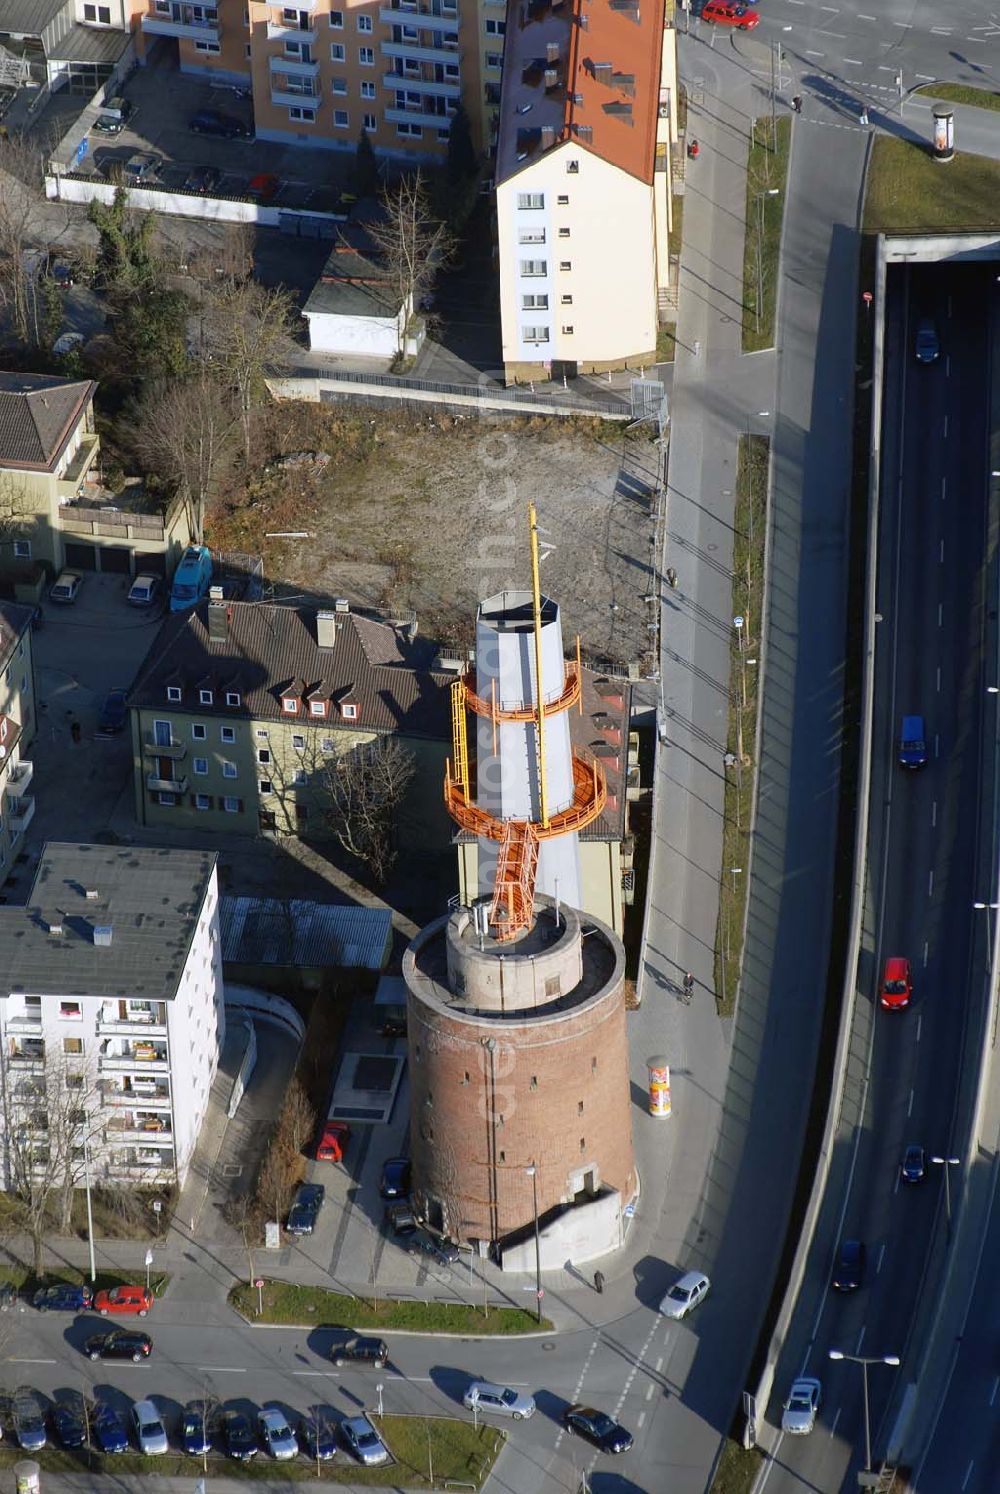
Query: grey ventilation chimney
[[92, 894], [218, 621], [215, 593], [341, 604], [103, 934], [55, 928], [548, 137], [551, 52], [326, 629]]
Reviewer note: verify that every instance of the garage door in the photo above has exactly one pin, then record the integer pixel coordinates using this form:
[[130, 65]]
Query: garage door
[[81, 557], [116, 558], [155, 565]]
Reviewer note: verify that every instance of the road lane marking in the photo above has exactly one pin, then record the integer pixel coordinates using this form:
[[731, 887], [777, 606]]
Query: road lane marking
[[946, 427], [881, 1257], [939, 679], [909, 1108], [34, 1361], [940, 614], [650, 1391], [944, 488], [861, 1339], [810, 53], [852, 61], [833, 1426], [925, 941], [937, 738], [895, 1186], [968, 1473], [919, 1020], [996, 1387], [222, 1369], [640, 1418], [942, 552], [930, 882], [659, 1364], [323, 1374]]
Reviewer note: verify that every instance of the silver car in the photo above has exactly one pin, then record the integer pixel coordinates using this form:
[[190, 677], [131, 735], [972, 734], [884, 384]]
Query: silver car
[[141, 167], [685, 1294], [276, 1434], [500, 1400], [361, 1439], [799, 1414], [150, 1432]]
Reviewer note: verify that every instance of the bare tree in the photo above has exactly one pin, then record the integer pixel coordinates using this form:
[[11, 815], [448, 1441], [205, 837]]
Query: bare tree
[[51, 1125], [248, 328], [276, 1179], [228, 258], [184, 431], [298, 1118], [413, 245], [21, 219], [20, 508], [364, 789]]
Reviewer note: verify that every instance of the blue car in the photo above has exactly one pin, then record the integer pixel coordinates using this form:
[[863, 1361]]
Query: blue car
[[69, 1422], [195, 1432], [28, 1416], [192, 578], [318, 1433], [107, 1430], [63, 1298]]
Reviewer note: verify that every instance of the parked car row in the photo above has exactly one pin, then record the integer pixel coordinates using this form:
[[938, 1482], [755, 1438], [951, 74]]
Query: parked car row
[[145, 590], [129, 1297]]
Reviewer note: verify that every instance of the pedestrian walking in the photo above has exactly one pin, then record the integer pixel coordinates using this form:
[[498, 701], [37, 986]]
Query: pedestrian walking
[[599, 1281], [671, 577], [797, 103], [688, 986], [863, 116], [75, 730], [694, 150]]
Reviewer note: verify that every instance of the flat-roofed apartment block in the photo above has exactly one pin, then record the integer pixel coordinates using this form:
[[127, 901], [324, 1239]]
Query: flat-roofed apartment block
[[324, 71], [111, 1013], [583, 183], [17, 730]]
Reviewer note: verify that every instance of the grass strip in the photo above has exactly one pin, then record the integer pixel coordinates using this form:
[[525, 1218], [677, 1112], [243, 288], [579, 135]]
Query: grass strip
[[750, 538], [27, 1283], [288, 1303], [738, 1468], [428, 1452], [908, 191], [961, 93], [767, 175]]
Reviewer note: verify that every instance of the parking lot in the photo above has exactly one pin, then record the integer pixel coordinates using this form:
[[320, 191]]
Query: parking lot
[[164, 100]]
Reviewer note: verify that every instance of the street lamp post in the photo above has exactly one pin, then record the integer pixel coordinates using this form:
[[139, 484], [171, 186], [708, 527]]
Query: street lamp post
[[90, 1215], [767, 192], [532, 1172], [947, 1163], [865, 1360], [985, 907]]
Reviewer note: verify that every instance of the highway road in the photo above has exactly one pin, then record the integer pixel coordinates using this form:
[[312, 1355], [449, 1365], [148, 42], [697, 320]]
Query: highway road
[[924, 846]]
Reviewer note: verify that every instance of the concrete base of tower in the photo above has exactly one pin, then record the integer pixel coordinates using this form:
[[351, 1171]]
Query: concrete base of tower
[[580, 1233]]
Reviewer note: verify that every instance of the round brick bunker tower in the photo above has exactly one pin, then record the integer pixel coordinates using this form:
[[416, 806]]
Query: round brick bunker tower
[[518, 1057]]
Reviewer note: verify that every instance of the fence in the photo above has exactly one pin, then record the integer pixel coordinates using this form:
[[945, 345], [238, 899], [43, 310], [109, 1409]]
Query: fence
[[330, 383]]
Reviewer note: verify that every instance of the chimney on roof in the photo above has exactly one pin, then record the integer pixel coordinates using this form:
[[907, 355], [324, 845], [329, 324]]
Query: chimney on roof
[[55, 928], [218, 619], [92, 894], [552, 51], [548, 137], [326, 629], [103, 935], [341, 604], [551, 79]]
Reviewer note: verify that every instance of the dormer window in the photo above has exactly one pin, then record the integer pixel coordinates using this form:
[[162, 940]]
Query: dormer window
[[349, 710], [232, 697], [205, 697], [319, 708], [290, 705], [174, 693]]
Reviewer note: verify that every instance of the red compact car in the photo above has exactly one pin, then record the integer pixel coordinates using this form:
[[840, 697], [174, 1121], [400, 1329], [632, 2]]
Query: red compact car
[[730, 13], [896, 985], [333, 1142], [124, 1299]]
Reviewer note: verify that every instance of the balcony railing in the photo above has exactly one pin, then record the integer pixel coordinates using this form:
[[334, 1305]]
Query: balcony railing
[[293, 67], [176, 751], [419, 54], [281, 31], [424, 17], [24, 1022], [27, 1058], [181, 24], [19, 777], [111, 1023], [70, 480], [157, 1097], [147, 1129], [398, 82], [146, 1057], [280, 95], [419, 117], [22, 812], [166, 785]]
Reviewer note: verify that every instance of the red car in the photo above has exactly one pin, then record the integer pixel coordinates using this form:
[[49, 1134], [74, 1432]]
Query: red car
[[124, 1299], [333, 1142], [730, 13], [265, 186], [896, 986]]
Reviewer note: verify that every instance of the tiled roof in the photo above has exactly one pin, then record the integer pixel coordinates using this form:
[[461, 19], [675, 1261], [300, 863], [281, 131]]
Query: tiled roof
[[150, 899], [38, 414], [270, 651], [602, 731], [586, 71], [353, 283]]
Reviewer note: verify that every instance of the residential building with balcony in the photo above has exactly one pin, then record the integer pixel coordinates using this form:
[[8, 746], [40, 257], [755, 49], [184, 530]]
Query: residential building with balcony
[[111, 993], [46, 45], [17, 731], [324, 71], [587, 118], [240, 711], [53, 505]]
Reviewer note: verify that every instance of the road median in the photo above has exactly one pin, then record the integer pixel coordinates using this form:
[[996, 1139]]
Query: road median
[[289, 1305]]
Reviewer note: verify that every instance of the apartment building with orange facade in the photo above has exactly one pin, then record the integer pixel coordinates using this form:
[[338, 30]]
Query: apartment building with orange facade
[[323, 71]]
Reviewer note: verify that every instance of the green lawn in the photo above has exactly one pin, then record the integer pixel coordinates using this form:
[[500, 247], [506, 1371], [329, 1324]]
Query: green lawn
[[737, 1469], [909, 191], [767, 176], [27, 1282], [449, 1449], [961, 93], [286, 1302]]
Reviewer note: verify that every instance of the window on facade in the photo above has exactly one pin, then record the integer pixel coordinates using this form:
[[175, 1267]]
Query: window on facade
[[368, 90], [205, 697], [535, 334], [531, 236], [232, 697], [166, 801], [228, 769], [211, 47], [100, 15], [317, 708], [231, 805], [327, 744], [564, 233], [264, 755], [336, 20], [496, 28], [199, 765], [301, 814], [410, 131], [568, 331], [202, 801], [22, 549], [304, 116], [228, 733], [298, 742], [300, 778], [565, 264], [341, 119], [261, 733], [532, 268], [199, 731], [565, 300], [349, 711], [366, 56], [572, 168], [174, 693], [72, 1045], [74, 1081], [370, 123], [336, 52], [290, 705], [494, 60], [71, 1009], [534, 303], [364, 23], [338, 85], [562, 200], [264, 786]]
